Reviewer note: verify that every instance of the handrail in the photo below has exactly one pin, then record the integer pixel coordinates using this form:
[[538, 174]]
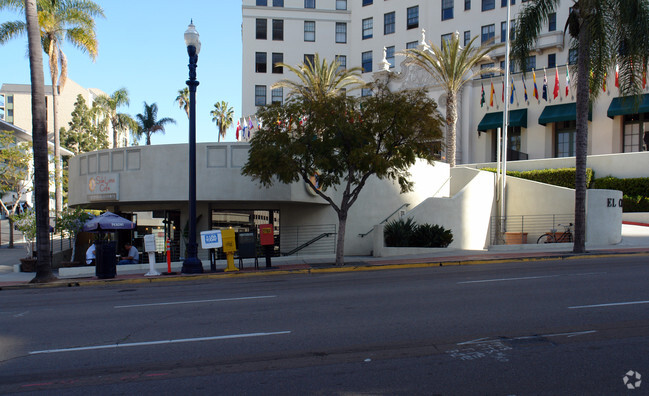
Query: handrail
[[384, 220], [312, 241], [440, 187]]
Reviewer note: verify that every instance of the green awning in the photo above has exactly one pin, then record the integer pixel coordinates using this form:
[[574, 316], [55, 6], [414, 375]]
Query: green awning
[[495, 120], [561, 112], [628, 105]]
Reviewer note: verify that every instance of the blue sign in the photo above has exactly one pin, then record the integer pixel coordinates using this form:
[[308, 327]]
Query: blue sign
[[211, 239]]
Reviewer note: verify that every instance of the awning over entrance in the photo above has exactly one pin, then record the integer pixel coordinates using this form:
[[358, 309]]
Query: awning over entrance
[[561, 112], [495, 120], [628, 105]]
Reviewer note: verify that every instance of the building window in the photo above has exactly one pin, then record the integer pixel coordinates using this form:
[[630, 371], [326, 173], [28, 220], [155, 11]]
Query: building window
[[636, 132], [341, 4], [412, 44], [261, 29], [388, 23], [309, 3], [447, 9], [503, 3], [309, 30], [488, 5], [531, 63], [262, 2], [278, 57], [366, 92], [278, 3], [277, 95], [389, 55], [342, 62], [341, 32], [260, 95], [260, 62], [488, 34], [503, 32], [366, 61], [278, 29], [467, 5], [367, 2], [412, 17], [552, 22], [565, 138], [484, 66], [572, 57], [309, 59], [552, 60], [446, 38], [467, 37], [368, 28]]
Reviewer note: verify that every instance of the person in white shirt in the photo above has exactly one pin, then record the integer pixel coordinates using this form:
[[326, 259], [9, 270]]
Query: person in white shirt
[[90, 255]]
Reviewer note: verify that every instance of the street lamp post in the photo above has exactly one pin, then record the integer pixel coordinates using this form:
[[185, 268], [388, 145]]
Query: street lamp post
[[192, 265]]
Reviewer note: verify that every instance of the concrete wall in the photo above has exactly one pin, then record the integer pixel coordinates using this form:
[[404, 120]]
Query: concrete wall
[[603, 217]]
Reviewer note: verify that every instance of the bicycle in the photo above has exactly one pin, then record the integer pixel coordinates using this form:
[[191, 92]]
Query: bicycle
[[553, 237]]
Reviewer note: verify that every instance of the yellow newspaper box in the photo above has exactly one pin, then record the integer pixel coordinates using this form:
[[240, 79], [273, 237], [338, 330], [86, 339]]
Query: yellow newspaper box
[[229, 244]]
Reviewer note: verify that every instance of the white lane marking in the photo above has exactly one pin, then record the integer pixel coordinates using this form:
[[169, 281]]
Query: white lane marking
[[609, 305], [193, 302], [509, 279], [486, 340], [134, 344]]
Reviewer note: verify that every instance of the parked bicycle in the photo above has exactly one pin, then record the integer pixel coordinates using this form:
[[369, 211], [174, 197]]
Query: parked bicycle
[[557, 237]]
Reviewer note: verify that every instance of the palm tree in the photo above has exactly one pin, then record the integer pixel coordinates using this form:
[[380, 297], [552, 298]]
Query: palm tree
[[39, 139], [603, 34], [222, 115], [452, 66], [148, 122], [108, 105], [59, 21], [320, 79], [183, 100]]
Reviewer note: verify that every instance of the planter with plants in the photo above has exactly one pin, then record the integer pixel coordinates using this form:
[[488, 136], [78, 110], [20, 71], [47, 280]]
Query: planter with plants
[[407, 233], [26, 223], [69, 222]]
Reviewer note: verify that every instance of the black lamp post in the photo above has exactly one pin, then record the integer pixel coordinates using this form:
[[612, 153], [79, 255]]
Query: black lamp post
[[192, 265]]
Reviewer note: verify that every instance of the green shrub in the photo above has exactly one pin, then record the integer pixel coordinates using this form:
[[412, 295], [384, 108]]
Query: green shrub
[[635, 204], [563, 177], [633, 187], [398, 233], [407, 233]]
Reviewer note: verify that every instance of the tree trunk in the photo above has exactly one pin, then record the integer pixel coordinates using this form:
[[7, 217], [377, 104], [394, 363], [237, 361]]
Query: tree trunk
[[451, 122], [114, 124], [39, 137], [340, 238], [58, 183], [581, 149]]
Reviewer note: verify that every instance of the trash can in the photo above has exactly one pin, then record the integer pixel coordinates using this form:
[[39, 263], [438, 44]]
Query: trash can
[[106, 261]]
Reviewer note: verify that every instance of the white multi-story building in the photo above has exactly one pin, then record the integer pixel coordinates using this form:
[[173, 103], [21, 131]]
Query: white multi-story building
[[357, 31]]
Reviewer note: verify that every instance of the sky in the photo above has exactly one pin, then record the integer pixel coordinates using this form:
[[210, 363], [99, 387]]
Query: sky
[[142, 49]]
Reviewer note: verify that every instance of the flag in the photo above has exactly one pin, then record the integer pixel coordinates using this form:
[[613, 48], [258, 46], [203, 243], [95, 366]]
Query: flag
[[491, 95], [536, 91], [545, 86], [238, 129], [604, 82], [567, 80], [243, 129], [617, 77], [555, 92], [513, 91], [524, 87], [503, 92], [482, 99], [250, 127], [644, 77]]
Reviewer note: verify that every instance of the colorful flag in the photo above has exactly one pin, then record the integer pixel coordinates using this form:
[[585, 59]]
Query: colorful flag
[[250, 127], [513, 91], [545, 86], [491, 95], [555, 92], [604, 82], [524, 87], [503, 92], [243, 129], [238, 129], [644, 77], [617, 77], [536, 91], [482, 99], [567, 80]]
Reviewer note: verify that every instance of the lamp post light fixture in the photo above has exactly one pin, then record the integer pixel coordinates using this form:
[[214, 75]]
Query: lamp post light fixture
[[191, 264]]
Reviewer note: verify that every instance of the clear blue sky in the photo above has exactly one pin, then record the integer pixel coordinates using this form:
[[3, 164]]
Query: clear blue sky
[[141, 48]]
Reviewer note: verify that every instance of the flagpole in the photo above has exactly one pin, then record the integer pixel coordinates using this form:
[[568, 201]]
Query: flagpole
[[503, 177]]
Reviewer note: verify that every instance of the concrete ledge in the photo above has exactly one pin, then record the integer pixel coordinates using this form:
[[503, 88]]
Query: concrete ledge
[[406, 251]]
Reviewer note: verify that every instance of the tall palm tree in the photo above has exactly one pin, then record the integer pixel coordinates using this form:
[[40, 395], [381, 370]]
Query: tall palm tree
[[222, 115], [603, 33], [149, 123], [320, 79], [452, 66], [183, 99], [59, 21], [108, 106], [39, 139]]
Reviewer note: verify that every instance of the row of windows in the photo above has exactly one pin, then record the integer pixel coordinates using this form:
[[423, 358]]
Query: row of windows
[[276, 95], [389, 22], [261, 30], [340, 4], [261, 61]]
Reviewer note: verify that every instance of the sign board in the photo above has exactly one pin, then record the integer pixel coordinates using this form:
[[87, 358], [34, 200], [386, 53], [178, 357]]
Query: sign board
[[211, 239], [266, 234], [103, 187], [160, 244], [247, 245], [229, 244], [149, 243]]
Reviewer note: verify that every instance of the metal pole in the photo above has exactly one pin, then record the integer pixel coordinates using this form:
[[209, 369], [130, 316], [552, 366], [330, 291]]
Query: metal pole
[[505, 116]]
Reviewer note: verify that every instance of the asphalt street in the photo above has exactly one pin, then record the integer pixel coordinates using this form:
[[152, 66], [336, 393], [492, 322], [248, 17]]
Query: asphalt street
[[547, 327]]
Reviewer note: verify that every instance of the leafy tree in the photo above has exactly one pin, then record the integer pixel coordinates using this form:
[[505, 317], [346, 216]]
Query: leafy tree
[[148, 122], [59, 21], [222, 115], [15, 162], [108, 105], [82, 134], [604, 34], [183, 100], [344, 140], [452, 66]]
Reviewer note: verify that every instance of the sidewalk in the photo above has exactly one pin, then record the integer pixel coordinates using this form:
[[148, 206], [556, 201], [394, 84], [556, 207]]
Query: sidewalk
[[635, 240]]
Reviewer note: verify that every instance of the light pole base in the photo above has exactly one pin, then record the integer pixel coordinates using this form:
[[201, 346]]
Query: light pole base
[[192, 265]]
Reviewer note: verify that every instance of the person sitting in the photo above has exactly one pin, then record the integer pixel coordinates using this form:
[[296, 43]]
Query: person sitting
[[132, 255], [90, 255]]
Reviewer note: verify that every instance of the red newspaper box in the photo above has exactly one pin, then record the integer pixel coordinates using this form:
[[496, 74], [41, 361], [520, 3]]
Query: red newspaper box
[[266, 234]]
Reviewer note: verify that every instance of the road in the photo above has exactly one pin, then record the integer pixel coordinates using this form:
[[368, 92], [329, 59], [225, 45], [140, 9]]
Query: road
[[547, 327]]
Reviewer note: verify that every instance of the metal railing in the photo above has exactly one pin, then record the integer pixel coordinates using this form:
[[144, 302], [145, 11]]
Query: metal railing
[[405, 205], [307, 240], [525, 229]]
